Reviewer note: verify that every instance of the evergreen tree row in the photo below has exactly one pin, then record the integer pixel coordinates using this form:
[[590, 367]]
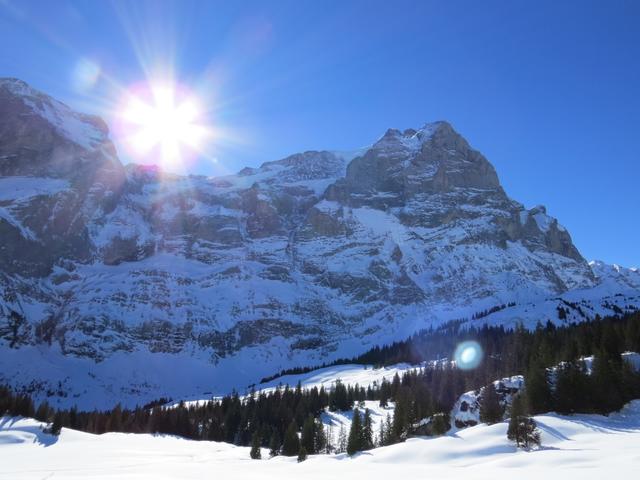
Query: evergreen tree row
[[548, 343]]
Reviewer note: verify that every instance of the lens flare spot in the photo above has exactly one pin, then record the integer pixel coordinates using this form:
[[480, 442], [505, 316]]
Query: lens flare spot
[[468, 355], [85, 74]]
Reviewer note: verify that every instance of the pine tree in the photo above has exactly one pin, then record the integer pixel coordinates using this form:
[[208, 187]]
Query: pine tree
[[329, 437], [537, 389], [342, 440], [515, 412], [400, 419], [308, 437], [321, 442], [440, 423], [381, 436], [367, 431], [522, 428], [610, 343], [629, 382], [339, 398], [562, 313], [56, 426], [513, 431], [605, 385], [115, 419], [355, 434], [384, 394], [572, 388], [255, 452], [490, 409], [389, 439], [274, 444], [23, 406], [291, 444], [302, 454], [44, 412]]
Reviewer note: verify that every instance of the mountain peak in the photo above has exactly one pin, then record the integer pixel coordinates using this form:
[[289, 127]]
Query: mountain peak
[[432, 158], [40, 135], [421, 134], [16, 86], [20, 102]]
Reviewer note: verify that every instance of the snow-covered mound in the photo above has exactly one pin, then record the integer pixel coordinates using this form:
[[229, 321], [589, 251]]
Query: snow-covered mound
[[586, 446], [317, 256]]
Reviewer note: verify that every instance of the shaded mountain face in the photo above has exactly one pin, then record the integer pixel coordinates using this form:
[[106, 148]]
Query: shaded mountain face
[[316, 255], [58, 167]]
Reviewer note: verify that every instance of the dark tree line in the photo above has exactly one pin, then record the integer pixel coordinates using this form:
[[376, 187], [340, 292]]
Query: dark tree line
[[286, 420], [547, 343]]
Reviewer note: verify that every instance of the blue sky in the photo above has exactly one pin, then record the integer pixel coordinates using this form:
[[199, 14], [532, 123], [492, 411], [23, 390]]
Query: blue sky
[[548, 91]]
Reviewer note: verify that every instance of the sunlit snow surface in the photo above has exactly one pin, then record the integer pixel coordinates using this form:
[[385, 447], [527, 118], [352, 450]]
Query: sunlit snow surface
[[586, 446]]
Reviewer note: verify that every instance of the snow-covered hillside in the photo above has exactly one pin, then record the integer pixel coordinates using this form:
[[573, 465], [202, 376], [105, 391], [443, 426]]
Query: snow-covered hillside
[[584, 446], [351, 374], [129, 282], [327, 377]]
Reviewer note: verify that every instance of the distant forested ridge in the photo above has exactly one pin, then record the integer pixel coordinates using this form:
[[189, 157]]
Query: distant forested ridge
[[272, 419]]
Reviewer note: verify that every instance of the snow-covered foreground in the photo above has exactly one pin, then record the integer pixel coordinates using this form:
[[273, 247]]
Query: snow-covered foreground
[[590, 446]]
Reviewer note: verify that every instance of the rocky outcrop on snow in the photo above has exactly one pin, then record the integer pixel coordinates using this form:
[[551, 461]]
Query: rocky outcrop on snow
[[466, 411], [314, 256]]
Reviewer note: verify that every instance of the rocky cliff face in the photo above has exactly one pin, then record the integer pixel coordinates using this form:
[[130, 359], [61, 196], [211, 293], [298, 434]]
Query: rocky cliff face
[[310, 257], [44, 221]]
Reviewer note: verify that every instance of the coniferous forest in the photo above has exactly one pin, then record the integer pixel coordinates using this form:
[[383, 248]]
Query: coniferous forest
[[286, 420]]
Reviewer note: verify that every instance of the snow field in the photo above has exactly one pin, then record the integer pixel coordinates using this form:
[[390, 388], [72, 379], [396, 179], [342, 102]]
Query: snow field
[[588, 446]]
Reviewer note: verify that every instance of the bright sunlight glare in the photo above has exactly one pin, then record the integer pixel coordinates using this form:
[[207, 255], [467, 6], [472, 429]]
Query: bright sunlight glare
[[163, 120]]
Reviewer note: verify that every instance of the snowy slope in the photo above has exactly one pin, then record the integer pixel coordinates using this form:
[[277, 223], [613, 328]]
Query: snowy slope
[[585, 446], [352, 374]]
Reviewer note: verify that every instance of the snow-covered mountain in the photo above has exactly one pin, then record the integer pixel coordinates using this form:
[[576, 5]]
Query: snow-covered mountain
[[127, 282]]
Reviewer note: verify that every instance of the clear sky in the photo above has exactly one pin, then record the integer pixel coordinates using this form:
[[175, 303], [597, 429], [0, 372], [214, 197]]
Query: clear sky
[[548, 91]]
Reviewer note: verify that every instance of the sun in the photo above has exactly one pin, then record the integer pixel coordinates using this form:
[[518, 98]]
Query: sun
[[166, 120]]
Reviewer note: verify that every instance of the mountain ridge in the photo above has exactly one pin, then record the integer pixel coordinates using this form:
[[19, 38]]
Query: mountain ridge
[[311, 257]]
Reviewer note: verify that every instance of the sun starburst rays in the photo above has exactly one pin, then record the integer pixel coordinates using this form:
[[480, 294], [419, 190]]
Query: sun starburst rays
[[163, 119]]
